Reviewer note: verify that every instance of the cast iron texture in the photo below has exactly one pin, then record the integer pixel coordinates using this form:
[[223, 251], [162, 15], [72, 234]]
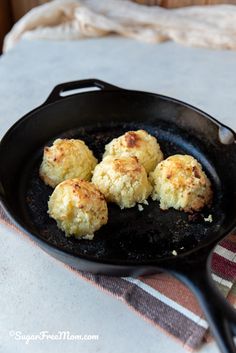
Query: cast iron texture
[[132, 242], [130, 235]]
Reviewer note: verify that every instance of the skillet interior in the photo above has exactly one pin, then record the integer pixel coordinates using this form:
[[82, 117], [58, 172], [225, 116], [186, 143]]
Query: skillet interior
[[130, 235]]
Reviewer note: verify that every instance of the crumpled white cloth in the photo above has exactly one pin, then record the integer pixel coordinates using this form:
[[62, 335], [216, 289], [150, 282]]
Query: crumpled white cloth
[[206, 26]]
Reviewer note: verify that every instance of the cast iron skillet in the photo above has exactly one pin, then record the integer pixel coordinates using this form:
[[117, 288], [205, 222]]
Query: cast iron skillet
[[133, 242]]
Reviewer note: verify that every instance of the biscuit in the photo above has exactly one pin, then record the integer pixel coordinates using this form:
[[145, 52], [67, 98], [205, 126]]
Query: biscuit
[[180, 182], [66, 159], [78, 207], [122, 180], [139, 144]]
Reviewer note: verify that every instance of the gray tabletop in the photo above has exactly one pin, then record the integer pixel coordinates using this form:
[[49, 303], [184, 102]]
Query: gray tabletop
[[37, 292]]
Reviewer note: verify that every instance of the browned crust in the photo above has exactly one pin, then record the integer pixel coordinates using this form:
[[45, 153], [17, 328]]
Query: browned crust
[[85, 189], [132, 139], [196, 172], [127, 165]]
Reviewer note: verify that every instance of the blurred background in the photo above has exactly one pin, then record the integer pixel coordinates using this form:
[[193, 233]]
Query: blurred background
[[12, 10]]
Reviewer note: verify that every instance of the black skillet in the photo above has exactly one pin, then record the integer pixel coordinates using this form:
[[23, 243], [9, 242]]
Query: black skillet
[[133, 242]]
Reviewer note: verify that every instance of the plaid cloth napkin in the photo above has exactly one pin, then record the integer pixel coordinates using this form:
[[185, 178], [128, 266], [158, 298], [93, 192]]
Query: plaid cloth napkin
[[164, 301]]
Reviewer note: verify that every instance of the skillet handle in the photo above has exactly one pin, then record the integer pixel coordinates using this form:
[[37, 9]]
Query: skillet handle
[[57, 92], [219, 313]]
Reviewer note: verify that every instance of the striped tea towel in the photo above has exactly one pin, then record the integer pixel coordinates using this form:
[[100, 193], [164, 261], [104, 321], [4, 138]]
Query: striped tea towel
[[165, 302]]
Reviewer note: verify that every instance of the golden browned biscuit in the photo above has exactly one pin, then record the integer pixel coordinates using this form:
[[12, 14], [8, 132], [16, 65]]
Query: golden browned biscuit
[[122, 180], [139, 144], [78, 207], [180, 182], [66, 159]]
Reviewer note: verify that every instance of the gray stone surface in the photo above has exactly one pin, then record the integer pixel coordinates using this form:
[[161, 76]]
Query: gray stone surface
[[37, 292]]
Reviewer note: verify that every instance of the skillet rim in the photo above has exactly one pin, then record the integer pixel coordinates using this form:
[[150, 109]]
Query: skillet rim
[[119, 90], [20, 224]]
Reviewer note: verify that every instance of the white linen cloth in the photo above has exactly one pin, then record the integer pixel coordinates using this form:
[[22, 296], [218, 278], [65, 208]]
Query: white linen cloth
[[205, 26]]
